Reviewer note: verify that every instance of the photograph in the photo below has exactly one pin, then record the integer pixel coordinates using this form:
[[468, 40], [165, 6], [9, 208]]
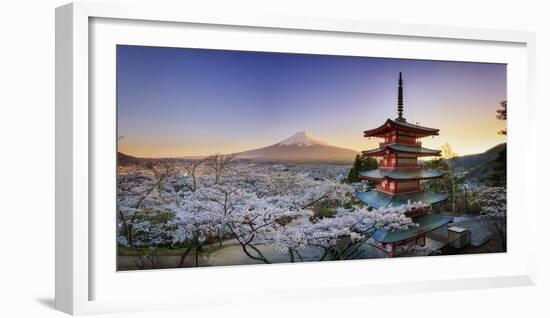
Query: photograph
[[229, 157]]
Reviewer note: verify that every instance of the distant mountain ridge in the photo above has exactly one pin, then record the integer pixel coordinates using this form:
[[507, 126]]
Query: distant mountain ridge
[[301, 147], [479, 166], [471, 161], [304, 147], [127, 160]]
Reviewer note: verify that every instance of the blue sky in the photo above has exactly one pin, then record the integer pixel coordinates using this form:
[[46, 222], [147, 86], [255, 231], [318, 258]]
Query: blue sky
[[179, 102]]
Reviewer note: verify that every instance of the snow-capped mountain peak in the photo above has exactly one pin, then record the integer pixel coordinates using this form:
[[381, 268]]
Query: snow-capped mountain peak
[[300, 147], [302, 138]]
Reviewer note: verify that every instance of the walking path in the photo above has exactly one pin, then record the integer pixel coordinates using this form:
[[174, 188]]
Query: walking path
[[232, 254]]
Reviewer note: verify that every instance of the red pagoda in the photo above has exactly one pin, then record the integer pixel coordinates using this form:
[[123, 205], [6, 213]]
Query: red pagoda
[[399, 179]]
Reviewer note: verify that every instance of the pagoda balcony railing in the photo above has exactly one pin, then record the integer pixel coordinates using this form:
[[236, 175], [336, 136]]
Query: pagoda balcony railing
[[400, 165], [390, 191], [417, 144]]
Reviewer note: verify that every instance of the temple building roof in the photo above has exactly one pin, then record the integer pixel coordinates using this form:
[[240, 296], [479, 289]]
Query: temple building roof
[[426, 223], [379, 199], [401, 174], [420, 151], [391, 125]]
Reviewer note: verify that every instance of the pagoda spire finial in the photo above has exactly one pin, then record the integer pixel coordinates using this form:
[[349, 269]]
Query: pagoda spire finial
[[400, 100]]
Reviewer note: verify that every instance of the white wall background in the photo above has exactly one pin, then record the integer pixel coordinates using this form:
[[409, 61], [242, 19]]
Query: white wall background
[[27, 158]]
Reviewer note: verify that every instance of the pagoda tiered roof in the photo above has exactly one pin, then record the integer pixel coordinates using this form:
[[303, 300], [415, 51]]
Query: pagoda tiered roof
[[420, 151], [401, 174], [378, 199], [391, 125], [399, 178], [426, 223]]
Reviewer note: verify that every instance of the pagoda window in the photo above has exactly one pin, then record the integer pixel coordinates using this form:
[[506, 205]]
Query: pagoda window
[[408, 140], [390, 138], [407, 133], [406, 155], [406, 160], [408, 186]]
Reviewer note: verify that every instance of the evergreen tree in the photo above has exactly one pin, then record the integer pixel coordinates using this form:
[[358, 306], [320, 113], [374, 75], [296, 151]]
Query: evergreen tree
[[361, 163], [502, 114], [497, 176]]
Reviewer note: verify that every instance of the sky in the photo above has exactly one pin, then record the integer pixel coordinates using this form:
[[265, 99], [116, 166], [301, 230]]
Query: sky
[[174, 102]]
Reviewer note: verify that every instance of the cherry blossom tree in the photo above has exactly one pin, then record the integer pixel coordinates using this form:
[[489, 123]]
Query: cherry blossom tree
[[342, 236], [192, 168], [242, 215], [197, 226], [219, 164], [492, 201], [146, 212], [216, 203], [257, 221], [163, 206]]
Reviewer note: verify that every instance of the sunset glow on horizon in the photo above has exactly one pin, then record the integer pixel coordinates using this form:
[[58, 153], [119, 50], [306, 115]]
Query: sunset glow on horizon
[[175, 102]]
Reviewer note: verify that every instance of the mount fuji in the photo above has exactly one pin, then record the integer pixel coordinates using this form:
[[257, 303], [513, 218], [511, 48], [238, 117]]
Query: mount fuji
[[301, 146]]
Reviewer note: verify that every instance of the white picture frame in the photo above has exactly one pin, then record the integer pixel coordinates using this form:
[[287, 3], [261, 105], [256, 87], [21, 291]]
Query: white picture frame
[[77, 153]]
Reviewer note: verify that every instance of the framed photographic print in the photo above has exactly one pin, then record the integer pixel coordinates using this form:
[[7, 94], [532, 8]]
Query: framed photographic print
[[256, 154], [215, 167]]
